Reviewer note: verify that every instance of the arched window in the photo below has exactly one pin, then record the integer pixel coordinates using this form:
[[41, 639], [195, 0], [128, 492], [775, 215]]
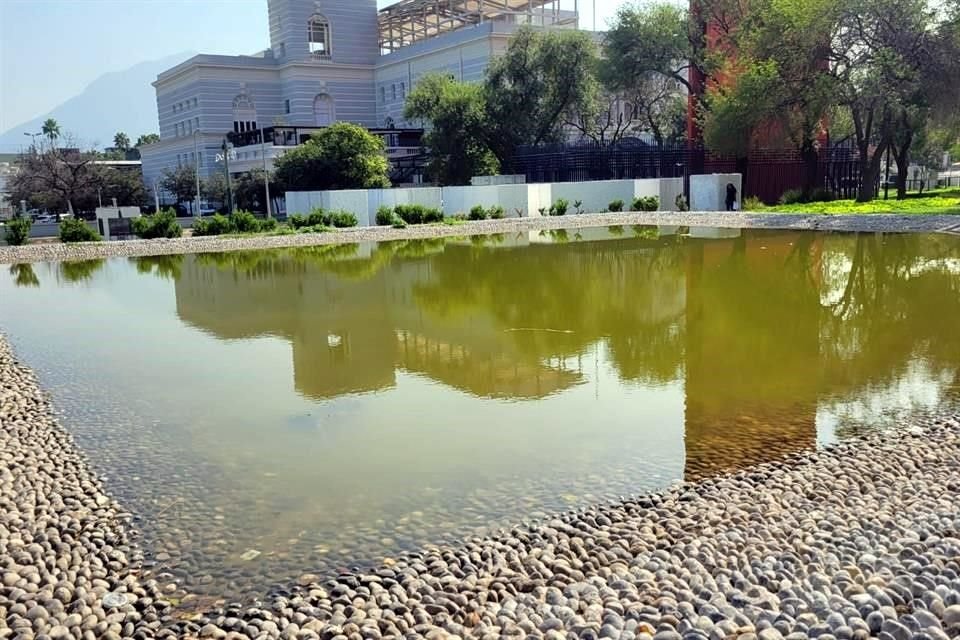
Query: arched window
[[324, 114], [318, 37], [244, 114]]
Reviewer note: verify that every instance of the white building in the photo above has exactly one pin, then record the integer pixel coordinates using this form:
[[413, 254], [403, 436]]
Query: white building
[[331, 60]]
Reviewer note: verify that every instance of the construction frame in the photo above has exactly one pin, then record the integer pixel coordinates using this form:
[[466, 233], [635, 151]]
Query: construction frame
[[410, 21]]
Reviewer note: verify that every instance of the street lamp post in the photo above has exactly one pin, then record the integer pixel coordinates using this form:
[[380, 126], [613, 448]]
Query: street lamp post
[[33, 139], [266, 173], [156, 197], [196, 170], [226, 171]]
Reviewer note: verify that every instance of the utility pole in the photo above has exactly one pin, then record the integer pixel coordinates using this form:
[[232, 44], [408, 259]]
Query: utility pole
[[226, 172], [196, 171], [266, 173]]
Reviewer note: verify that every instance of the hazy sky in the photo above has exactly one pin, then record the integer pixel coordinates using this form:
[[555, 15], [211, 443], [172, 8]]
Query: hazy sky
[[52, 49]]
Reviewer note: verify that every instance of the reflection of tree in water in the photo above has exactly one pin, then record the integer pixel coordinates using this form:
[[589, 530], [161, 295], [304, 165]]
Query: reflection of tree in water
[[24, 275], [79, 271], [557, 301], [164, 267], [783, 326], [889, 303]]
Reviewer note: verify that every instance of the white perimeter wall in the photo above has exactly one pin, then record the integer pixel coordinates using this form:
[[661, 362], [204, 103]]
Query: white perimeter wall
[[517, 200], [709, 192]]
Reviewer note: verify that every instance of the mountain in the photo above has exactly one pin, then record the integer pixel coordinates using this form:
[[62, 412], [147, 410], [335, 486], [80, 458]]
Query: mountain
[[117, 101]]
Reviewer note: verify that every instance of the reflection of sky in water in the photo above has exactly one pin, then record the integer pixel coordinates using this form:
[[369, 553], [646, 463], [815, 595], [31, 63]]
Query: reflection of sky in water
[[337, 388]]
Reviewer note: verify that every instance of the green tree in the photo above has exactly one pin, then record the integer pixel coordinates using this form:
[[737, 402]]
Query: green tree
[[458, 128], [249, 193], [342, 156], [543, 80], [51, 129], [121, 141], [892, 61], [123, 184], [147, 138], [56, 179], [180, 182]]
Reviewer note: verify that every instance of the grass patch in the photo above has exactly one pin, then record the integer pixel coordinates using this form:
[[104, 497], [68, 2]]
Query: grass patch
[[945, 201]]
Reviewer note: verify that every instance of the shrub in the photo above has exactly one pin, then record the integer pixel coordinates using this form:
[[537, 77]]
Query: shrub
[[17, 231], [76, 230], [318, 218], [297, 221], [616, 205], [216, 225], [343, 219], [267, 225], [752, 203], [478, 213], [578, 205], [410, 213], [162, 224], [496, 212], [649, 203], [399, 223], [242, 222], [385, 215], [681, 203], [432, 214], [791, 196], [559, 208]]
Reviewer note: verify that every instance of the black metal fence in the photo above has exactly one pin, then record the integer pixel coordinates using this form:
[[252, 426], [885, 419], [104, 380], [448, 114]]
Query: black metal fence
[[768, 173]]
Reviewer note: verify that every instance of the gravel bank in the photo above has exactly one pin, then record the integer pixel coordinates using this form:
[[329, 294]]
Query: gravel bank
[[855, 542], [68, 564], [890, 223]]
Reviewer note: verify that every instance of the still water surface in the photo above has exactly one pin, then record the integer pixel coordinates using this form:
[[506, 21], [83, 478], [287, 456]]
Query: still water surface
[[269, 413]]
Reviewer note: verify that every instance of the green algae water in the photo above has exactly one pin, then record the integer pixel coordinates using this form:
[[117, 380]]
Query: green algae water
[[270, 414]]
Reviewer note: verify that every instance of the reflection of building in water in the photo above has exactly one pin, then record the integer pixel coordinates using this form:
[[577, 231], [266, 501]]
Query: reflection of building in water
[[752, 350], [349, 333]]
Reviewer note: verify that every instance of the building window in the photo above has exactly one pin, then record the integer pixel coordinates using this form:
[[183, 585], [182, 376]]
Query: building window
[[393, 90], [318, 37], [195, 102], [189, 127], [196, 124], [286, 107], [403, 91], [244, 114], [383, 95]]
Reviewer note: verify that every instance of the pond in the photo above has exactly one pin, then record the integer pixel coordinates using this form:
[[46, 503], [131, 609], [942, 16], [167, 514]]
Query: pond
[[270, 414]]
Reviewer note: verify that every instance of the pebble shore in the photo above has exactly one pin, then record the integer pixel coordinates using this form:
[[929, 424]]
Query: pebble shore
[[858, 541], [55, 251]]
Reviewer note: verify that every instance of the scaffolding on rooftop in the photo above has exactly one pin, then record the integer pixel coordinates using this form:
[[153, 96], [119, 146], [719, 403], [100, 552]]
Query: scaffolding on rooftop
[[410, 21]]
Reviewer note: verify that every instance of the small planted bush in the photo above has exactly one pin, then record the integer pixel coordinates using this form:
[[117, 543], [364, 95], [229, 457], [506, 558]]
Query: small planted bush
[[752, 203], [343, 219], [791, 196], [297, 221], [76, 230], [216, 225], [681, 204], [616, 205], [318, 218], [243, 222], [17, 231], [162, 224], [385, 216], [478, 213], [418, 214], [268, 225], [649, 203], [578, 206], [496, 212], [560, 207]]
